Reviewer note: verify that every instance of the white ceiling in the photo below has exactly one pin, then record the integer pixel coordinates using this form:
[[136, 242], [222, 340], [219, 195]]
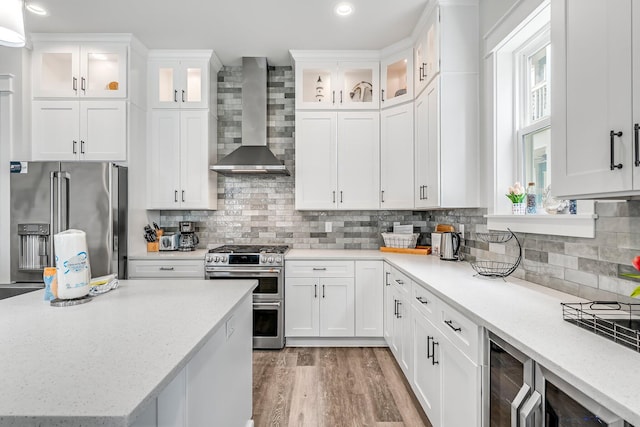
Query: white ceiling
[[236, 28]]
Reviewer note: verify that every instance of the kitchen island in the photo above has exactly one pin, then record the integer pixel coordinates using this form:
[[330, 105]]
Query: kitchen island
[[129, 357]]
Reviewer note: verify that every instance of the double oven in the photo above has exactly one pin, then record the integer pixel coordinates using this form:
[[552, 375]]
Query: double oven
[[266, 265]]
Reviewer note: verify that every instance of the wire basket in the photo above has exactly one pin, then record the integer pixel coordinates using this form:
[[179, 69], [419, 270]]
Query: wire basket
[[495, 236], [400, 240], [493, 268]]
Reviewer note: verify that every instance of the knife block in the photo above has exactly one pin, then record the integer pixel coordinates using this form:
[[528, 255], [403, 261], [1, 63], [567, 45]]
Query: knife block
[[153, 246]]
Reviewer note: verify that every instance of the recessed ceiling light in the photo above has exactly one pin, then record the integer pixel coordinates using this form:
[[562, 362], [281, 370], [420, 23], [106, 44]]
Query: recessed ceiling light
[[34, 8], [344, 9]]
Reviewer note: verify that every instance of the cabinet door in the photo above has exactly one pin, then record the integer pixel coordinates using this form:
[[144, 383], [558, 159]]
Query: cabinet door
[[164, 82], [163, 183], [369, 298], [405, 335], [103, 70], [56, 69], [431, 65], [336, 296], [358, 160], [397, 78], [316, 160], [316, 85], [302, 307], [396, 166], [460, 387], [194, 84], [194, 160], [389, 308], [636, 95], [359, 85], [55, 130], [427, 143], [595, 103], [426, 373], [103, 130]]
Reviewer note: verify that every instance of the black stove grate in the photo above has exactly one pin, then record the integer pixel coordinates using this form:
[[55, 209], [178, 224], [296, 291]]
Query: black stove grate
[[249, 249], [617, 321]]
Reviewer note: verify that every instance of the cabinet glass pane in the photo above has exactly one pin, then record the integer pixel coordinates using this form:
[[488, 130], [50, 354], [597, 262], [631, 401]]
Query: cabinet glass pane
[[396, 79], [562, 411], [57, 72], [316, 86], [506, 379], [194, 84], [103, 71], [357, 85], [165, 85]]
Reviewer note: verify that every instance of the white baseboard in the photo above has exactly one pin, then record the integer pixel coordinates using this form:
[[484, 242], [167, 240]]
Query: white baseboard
[[336, 342]]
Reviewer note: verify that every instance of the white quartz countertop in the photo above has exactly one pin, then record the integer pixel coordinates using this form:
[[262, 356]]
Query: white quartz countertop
[[527, 316], [101, 363], [169, 255]]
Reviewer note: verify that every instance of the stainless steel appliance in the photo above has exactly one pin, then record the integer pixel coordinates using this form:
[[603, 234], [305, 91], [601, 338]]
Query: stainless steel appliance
[[49, 197], [523, 393], [450, 246], [188, 238], [266, 265], [169, 242]]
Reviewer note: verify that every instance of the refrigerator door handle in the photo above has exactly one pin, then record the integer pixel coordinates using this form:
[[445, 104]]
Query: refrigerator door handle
[[63, 208], [52, 180]]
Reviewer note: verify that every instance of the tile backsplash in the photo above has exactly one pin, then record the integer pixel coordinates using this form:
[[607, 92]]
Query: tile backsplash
[[260, 210]]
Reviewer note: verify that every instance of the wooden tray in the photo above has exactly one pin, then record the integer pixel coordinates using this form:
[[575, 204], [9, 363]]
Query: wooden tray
[[418, 250]]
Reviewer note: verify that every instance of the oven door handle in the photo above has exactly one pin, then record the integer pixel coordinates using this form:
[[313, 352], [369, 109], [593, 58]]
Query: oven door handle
[[236, 272], [266, 304]]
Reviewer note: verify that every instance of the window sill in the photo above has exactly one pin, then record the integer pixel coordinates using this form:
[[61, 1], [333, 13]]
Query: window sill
[[583, 225]]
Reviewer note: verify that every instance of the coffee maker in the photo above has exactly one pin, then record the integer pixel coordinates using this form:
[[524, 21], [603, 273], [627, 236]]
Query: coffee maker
[[188, 238]]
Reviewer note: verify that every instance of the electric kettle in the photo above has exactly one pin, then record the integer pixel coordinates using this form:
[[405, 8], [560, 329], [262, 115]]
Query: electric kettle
[[450, 246]]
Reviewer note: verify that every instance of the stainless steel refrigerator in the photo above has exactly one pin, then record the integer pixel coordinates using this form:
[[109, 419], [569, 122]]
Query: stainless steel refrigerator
[[49, 197]]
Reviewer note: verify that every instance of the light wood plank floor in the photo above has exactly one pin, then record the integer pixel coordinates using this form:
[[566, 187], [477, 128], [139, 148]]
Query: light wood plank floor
[[332, 387]]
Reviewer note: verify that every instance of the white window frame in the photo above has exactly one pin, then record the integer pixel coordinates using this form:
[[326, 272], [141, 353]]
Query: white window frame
[[502, 63]]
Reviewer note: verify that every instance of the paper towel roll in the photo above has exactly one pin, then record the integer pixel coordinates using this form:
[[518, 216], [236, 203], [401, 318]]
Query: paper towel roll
[[72, 263]]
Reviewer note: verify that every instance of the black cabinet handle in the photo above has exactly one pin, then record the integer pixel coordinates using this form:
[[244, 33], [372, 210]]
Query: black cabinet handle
[[81, 147], [75, 84], [382, 96], [182, 95], [175, 196], [341, 97], [382, 196], [183, 195], [429, 339], [74, 147], [322, 291], [434, 343], [386, 281], [636, 130], [421, 73], [422, 300], [83, 84], [340, 196], [333, 97], [395, 307], [613, 165], [450, 324], [175, 95], [399, 304], [334, 197], [424, 70], [315, 291]]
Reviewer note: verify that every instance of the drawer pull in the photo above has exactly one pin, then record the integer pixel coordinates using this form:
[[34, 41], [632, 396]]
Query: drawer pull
[[319, 268], [434, 343], [399, 282], [166, 268], [422, 300], [450, 324]]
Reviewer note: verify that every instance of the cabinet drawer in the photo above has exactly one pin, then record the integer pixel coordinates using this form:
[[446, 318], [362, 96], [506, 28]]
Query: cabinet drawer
[[173, 269], [401, 280], [462, 332], [319, 268], [425, 302]]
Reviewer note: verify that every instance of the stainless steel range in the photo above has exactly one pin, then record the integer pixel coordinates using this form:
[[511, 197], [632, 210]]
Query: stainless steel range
[[266, 264]]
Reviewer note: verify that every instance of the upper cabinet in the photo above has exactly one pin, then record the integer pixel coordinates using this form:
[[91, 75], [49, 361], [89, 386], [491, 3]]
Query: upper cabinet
[[396, 157], [426, 51], [72, 70], [325, 82], [178, 81], [397, 78], [595, 114]]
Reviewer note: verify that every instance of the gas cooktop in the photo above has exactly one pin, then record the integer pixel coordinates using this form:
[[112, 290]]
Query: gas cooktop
[[249, 249]]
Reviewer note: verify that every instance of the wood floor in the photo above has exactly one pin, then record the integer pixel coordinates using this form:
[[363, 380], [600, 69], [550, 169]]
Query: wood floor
[[332, 387]]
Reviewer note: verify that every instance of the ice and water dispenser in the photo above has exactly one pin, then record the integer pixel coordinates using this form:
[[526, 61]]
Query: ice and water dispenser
[[34, 246]]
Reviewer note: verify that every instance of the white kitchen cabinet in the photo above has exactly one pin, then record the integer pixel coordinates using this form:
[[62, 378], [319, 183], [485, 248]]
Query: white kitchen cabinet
[[369, 298], [166, 269], [427, 375], [337, 160], [426, 62], [596, 103], [179, 158], [396, 157], [427, 144], [326, 82], [85, 130], [400, 340], [319, 304], [64, 69], [389, 308], [179, 79], [396, 79]]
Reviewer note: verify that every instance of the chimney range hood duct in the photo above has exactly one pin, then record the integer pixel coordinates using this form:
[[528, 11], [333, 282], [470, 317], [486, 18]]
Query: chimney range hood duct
[[253, 156]]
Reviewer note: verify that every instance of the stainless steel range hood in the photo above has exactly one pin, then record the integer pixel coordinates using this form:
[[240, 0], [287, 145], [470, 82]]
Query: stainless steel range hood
[[253, 156]]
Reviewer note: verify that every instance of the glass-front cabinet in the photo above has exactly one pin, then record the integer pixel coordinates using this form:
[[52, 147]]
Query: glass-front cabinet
[[337, 84], [179, 83], [397, 78], [91, 70], [427, 53]]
